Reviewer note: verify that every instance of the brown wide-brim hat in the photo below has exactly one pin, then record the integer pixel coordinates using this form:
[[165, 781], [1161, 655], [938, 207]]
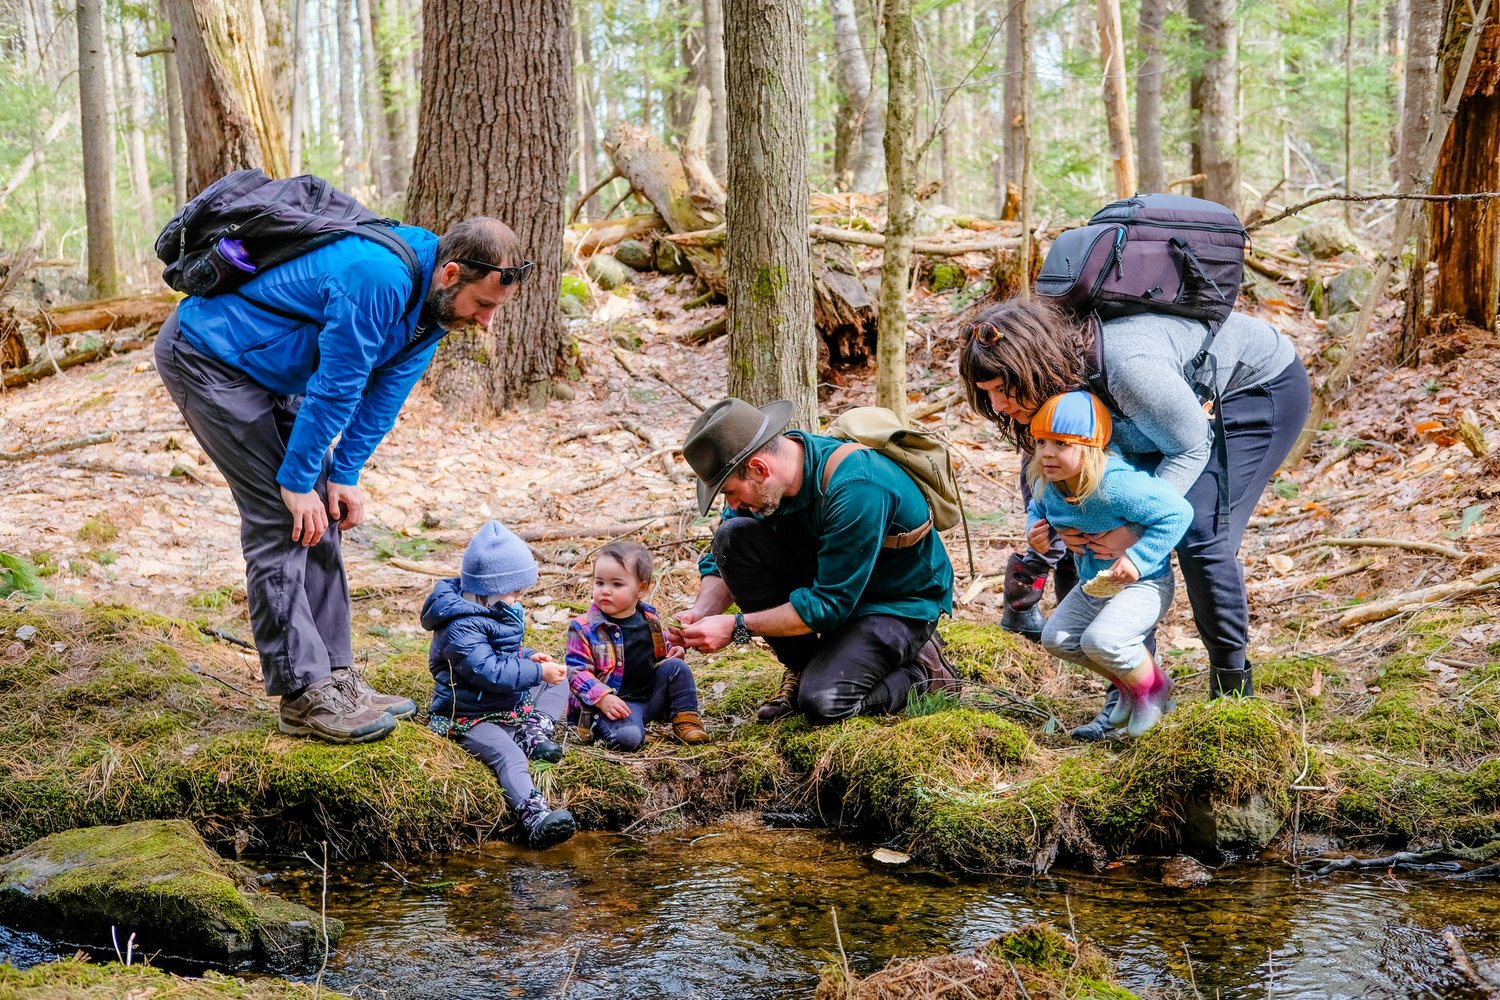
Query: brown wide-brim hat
[[726, 434]]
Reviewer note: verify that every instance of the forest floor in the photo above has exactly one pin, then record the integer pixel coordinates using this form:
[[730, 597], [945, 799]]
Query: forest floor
[[1388, 730]]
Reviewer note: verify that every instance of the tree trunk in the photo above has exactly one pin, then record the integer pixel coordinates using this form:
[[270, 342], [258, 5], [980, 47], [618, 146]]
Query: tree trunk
[[1466, 234], [772, 350], [679, 94], [1148, 95], [507, 64], [377, 142], [229, 111], [1218, 122], [278, 64], [392, 31], [899, 40], [176, 134], [1419, 103], [1027, 105], [588, 127], [298, 121], [713, 71], [866, 115], [1013, 96], [98, 148], [1349, 110], [134, 105], [348, 102], [1116, 104]]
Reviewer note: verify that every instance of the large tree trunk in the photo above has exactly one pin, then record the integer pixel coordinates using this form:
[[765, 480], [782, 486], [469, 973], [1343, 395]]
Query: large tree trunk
[[493, 140], [230, 113], [1218, 121], [772, 350], [900, 43], [867, 116], [1013, 95], [348, 103], [176, 131], [298, 119], [1424, 30], [1116, 105], [98, 148], [1148, 96], [713, 74], [1466, 234]]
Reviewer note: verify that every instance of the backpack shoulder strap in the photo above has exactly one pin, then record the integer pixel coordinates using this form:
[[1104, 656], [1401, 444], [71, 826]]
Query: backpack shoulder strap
[[903, 540], [379, 231], [1093, 363], [833, 461]]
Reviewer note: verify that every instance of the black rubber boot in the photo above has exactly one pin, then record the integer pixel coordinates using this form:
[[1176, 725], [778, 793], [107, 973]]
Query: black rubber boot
[[1028, 623], [1099, 728], [1230, 683]]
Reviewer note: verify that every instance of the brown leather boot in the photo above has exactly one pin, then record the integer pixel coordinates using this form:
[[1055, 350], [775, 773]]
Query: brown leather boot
[[783, 702], [687, 727], [941, 677]]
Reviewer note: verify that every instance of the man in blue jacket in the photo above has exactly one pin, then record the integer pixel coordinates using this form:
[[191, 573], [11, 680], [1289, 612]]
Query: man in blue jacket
[[316, 349], [828, 550]]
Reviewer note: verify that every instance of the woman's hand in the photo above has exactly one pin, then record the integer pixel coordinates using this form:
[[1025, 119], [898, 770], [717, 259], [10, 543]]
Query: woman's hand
[[1039, 537], [1112, 544], [612, 706], [1076, 541]]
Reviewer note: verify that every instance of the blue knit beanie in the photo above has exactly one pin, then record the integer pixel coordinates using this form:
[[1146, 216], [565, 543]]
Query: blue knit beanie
[[497, 562]]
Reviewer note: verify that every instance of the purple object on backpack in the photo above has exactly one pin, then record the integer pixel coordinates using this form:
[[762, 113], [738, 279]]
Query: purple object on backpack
[[234, 252]]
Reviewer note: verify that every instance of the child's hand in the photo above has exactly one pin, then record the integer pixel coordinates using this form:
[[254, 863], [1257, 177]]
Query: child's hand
[[1039, 537], [553, 672], [613, 707], [540, 657], [676, 652], [1123, 571]]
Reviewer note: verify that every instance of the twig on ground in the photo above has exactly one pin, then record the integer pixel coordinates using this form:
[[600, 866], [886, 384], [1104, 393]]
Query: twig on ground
[[1466, 966], [652, 815], [938, 405], [58, 447], [613, 474], [1433, 548], [1400, 859], [629, 367], [1414, 600], [427, 569], [223, 636]]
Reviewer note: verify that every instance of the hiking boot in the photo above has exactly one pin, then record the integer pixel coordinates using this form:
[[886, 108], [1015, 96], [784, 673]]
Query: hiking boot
[[544, 825], [1099, 728], [326, 710], [1028, 624], [687, 727], [941, 677], [353, 683], [1225, 683], [533, 734], [783, 702]]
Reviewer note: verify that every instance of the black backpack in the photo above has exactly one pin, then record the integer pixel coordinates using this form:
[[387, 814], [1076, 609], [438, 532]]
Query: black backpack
[[246, 223], [1152, 253]]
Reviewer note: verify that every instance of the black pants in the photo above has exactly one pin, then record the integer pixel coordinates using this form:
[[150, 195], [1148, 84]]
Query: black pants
[[1260, 427], [864, 666]]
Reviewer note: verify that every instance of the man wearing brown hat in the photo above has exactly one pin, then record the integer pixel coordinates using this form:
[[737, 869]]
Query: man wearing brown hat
[[828, 549]]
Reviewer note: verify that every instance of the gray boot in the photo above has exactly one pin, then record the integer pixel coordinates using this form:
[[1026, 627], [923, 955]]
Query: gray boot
[[1099, 728], [1028, 623]]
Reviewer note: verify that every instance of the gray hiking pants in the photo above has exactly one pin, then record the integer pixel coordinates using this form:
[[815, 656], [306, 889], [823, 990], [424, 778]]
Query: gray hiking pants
[[1108, 633], [299, 597], [494, 744]]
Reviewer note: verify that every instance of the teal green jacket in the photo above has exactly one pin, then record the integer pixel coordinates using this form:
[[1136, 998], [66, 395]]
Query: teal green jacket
[[868, 498]]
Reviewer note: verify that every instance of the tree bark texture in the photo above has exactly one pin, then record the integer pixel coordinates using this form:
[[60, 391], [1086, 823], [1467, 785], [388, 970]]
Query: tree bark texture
[[1027, 105], [1012, 93], [298, 117], [1466, 235], [349, 151], [867, 115], [493, 140], [1218, 122], [1116, 104], [899, 40], [772, 349], [1419, 100], [713, 78], [1152, 172], [98, 148], [230, 116]]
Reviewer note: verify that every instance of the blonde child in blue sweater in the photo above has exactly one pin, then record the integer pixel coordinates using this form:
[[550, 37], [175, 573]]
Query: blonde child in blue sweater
[[1102, 624]]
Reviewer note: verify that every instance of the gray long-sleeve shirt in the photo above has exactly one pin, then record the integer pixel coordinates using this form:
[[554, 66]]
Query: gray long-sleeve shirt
[[1160, 421]]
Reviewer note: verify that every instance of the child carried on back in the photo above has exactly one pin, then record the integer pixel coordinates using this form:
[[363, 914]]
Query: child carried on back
[[491, 694], [621, 672], [1102, 624]]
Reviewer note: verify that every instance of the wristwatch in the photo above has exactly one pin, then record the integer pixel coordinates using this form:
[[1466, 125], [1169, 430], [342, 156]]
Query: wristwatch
[[741, 635]]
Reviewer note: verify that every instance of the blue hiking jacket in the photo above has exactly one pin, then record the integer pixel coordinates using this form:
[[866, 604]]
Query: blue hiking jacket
[[355, 360], [479, 665]]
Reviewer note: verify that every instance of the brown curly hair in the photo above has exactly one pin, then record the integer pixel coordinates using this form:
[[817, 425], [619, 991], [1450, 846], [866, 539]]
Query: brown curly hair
[[1036, 352]]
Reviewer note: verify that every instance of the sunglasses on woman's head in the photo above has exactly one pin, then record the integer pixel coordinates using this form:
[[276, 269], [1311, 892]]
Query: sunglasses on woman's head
[[508, 275], [986, 333]]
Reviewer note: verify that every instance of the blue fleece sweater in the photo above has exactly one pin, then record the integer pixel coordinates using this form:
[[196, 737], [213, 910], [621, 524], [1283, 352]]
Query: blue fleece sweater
[[355, 358], [479, 665], [1124, 496]]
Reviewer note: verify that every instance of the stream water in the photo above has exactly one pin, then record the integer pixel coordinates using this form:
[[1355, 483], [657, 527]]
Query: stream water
[[746, 913]]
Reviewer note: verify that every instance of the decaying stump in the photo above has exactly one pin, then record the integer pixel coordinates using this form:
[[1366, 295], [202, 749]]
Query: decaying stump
[[843, 309]]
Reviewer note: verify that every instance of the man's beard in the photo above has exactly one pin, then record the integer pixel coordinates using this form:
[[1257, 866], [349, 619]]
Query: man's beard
[[767, 498], [439, 306]]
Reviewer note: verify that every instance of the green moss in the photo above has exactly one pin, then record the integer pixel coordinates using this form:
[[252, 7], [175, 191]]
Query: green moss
[[212, 600], [601, 793], [83, 980], [944, 277], [20, 576], [1291, 673], [100, 530], [1482, 785], [767, 284], [989, 654]]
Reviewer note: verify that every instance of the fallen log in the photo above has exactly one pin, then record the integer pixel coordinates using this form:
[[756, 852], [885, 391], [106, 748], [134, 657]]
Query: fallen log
[[595, 236], [54, 366], [1413, 600], [149, 310], [832, 234]]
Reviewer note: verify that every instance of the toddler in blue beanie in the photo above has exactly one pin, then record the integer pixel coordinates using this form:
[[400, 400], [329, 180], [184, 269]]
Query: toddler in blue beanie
[[493, 695]]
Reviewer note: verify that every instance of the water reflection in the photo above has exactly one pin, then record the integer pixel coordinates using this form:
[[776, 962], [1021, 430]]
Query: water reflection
[[745, 914]]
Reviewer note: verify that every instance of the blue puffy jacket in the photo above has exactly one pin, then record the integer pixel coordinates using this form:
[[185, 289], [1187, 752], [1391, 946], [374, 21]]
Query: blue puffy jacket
[[478, 663], [355, 359]]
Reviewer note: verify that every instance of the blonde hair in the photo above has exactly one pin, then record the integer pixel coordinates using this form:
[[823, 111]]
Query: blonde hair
[[1090, 473]]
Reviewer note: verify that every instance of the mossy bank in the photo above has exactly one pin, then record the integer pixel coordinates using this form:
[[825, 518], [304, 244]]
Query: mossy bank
[[74, 979], [108, 715]]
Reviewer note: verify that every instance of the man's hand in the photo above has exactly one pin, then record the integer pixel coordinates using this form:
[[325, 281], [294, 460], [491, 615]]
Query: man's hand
[[707, 634], [1123, 572], [673, 629], [346, 504], [613, 707], [1112, 544], [1040, 537], [309, 519]]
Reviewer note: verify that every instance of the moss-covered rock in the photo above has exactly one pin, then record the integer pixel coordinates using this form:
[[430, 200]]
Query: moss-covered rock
[[634, 254], [607, 272], [1032, 962], [155, 881], [944, 276], [75, 979]]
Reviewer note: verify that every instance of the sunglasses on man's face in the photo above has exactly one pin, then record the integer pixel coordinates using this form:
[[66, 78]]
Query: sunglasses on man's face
[[508, 275], [986, 333]]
